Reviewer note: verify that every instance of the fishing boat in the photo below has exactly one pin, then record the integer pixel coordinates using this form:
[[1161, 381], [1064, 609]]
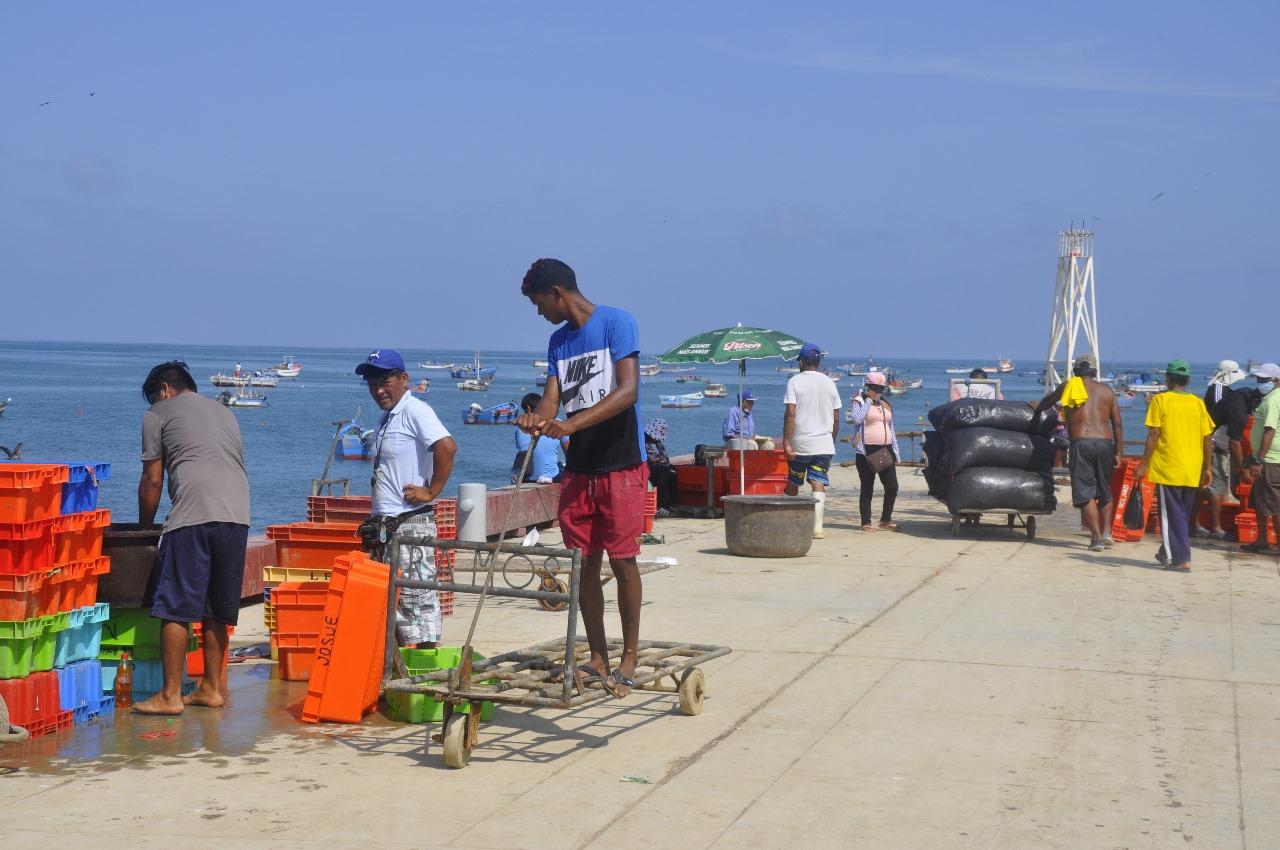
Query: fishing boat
[[263, 379], [789, 370], [290, 368], [859, 370], [918, 383], [474, 370], [716, 391], [898, 390], [1141, 382], [355, 442], [473, 385], [684, 368], [1004, 367], [686, 400], [959, 370], [541, 364], [498, 414], [221, 380], [648, 370], [422, 388], [242, 398], [690, 379], [834, 375], [1032, 373], [435, 365]]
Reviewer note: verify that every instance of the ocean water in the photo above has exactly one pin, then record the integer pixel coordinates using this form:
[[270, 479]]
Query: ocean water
[[83, 402]]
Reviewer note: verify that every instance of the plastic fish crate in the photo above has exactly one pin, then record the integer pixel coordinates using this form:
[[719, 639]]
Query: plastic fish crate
[[296, 654], [347, 674], [26, 547], [148, 676], [272, 576], [424, 708], [31, 698], [80, 689], [81, 640], [20, 595], [299, 606], [29, 645], [30, 491], [80, 493], [131, 627], [78, 537], [313, 545], [140, 652], [1247, 528]]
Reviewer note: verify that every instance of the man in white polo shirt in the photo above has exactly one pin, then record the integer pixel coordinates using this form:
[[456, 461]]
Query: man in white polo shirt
[[412, 458]]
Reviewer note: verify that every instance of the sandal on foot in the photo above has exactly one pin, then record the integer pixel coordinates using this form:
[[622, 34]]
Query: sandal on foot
[[889, 525], [1097, 546], [586, 675], [868, 527], [615, 681]]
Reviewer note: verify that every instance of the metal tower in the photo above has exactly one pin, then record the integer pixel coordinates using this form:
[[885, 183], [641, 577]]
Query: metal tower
[[1075, 307]]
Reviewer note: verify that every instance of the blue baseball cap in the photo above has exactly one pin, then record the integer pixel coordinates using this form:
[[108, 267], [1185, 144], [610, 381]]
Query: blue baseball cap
[[747, 395], [382, 360], [809, 351]]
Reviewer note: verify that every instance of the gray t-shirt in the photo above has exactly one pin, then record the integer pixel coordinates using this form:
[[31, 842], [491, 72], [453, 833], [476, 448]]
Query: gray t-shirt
[[199, 441]]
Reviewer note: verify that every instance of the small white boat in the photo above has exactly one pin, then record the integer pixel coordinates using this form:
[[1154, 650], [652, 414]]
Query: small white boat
[[474, 385], [242, 398], [288, 369], [541, 364], [648, 370], [716, 391], [690, 379], [916, 384], [686, 400], [435, 365], [1005, 366], [834, 375], [898, 390], [244, 379], [959, 370], [683, 368], [789, 370]]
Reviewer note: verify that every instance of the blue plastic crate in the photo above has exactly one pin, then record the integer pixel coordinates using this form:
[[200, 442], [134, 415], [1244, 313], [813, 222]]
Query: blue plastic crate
[[80, 493], [82, 640], [106, 708], [79, 686]]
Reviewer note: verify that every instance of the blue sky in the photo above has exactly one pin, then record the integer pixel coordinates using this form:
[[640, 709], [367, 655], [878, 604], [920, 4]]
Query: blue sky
[[873, 179]]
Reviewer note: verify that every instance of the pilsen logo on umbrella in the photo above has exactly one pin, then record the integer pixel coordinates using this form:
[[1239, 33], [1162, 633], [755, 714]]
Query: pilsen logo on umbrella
[[742, 346]]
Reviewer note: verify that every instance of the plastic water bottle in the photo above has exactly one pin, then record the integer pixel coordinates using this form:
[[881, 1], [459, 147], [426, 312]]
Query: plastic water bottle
[[124, 682]]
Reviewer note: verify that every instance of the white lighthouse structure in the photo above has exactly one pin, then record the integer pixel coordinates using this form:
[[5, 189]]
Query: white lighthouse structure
[[1073, 330]]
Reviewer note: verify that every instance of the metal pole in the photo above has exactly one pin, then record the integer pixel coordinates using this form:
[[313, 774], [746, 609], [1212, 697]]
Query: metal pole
[[571, 635]]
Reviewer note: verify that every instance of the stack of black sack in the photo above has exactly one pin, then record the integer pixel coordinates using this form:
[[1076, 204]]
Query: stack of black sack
[[989, 455]]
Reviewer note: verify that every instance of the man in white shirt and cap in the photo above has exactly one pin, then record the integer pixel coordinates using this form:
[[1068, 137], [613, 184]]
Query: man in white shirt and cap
[[412, 459]]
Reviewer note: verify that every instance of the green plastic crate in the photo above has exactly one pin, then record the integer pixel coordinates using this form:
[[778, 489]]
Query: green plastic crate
[[131, 627], [423, 708], [143, 651], [30, 645]]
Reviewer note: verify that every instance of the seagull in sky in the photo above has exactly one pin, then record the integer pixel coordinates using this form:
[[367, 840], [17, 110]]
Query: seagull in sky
[[14, 453], [1157, 197], [92, 93], [46, 103]]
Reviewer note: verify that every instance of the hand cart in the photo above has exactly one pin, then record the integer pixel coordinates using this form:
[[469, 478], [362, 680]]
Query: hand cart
[[543, 675], [971, 519]]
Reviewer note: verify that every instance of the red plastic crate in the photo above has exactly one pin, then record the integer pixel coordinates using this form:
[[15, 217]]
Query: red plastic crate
[[691, 484], [195, 658], [20, 596], [33, 703], [1247, 528], [346, 676], [78, 537], [1122, 486], [313, 545], [759, 462], [296, 654], [26, 547], [299, 606], [31, 491]]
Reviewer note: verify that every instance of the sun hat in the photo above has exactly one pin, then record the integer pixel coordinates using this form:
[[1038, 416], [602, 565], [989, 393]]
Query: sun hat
[[1178, 367], [1267, 370], [382, 360], [876, 379], [1228, 373]]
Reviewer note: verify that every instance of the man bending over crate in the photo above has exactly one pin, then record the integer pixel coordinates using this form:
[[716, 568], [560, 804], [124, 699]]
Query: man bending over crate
[[200, 560], [594, 372]]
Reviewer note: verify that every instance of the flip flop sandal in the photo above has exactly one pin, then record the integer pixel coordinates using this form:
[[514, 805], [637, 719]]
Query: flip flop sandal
[[868, 527], [586, 675], [615, 680], [889, 526]]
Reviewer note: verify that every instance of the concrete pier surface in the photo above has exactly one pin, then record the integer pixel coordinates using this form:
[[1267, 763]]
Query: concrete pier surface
[[896, 690]]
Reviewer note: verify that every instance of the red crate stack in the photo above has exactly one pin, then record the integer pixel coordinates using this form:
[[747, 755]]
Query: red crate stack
[[338, 508], [446, 559]]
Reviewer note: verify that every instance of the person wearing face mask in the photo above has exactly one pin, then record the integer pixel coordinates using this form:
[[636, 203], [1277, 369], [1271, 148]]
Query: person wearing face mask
[[1262, 467], [876, 450]]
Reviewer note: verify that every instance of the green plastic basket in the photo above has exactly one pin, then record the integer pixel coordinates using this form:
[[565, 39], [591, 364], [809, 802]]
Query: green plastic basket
[[424, 708], [30, 645]]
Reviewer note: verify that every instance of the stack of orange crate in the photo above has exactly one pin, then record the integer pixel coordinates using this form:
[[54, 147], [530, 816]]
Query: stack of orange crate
[[1123, 484], [446, 559]]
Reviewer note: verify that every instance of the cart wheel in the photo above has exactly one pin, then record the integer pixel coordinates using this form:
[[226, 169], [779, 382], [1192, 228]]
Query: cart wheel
[[1031, 528], [1011, 519], [693, 690], [553, 585], [456, 751], [955, 525]]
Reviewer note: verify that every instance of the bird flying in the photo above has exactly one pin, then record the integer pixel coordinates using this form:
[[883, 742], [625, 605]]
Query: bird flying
[[1157, 197], [14, 453], [46, 103]]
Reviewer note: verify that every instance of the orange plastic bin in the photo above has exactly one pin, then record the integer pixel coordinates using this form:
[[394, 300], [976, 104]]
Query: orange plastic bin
[[313, 545], [31, 491], [346, 675]]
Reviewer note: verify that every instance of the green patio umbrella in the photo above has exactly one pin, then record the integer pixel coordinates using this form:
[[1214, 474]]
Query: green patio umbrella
[[726, 345]]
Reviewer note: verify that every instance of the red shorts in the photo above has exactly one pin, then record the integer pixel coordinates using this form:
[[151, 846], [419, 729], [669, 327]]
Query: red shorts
[[604, 513]]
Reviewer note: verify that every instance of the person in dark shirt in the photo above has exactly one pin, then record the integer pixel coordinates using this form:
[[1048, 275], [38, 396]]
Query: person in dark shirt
[[1229, 410], [594, 373], [662, 475]]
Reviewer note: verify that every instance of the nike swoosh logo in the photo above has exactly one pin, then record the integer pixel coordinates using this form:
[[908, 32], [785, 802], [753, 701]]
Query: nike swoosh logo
[[572, 392]]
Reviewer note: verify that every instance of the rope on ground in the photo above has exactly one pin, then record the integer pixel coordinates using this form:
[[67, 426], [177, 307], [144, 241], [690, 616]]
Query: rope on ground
[[9, 734], [455, 679]]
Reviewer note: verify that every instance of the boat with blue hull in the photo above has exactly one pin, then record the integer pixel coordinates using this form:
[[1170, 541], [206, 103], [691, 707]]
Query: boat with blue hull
[[498, 414]]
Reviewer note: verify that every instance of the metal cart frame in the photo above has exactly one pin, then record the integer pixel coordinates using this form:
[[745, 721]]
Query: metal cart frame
[[1024, 519], [543, 675]]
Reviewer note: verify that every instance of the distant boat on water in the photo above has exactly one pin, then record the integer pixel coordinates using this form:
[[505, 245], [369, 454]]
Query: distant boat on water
[[790, 370], [690, 379], [354, 442], [288, 369], [648, 370], [498, 414], [541, 364], [435, 365], [245, 379], [716, 391], [681, 401], [242, 398]]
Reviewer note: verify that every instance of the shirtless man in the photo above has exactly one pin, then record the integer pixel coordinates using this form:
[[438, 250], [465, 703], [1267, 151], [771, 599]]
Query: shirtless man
[[1096, 432]]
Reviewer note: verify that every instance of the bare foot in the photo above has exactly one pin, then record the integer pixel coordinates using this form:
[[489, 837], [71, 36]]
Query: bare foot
[[159, 706], [206, 696]]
